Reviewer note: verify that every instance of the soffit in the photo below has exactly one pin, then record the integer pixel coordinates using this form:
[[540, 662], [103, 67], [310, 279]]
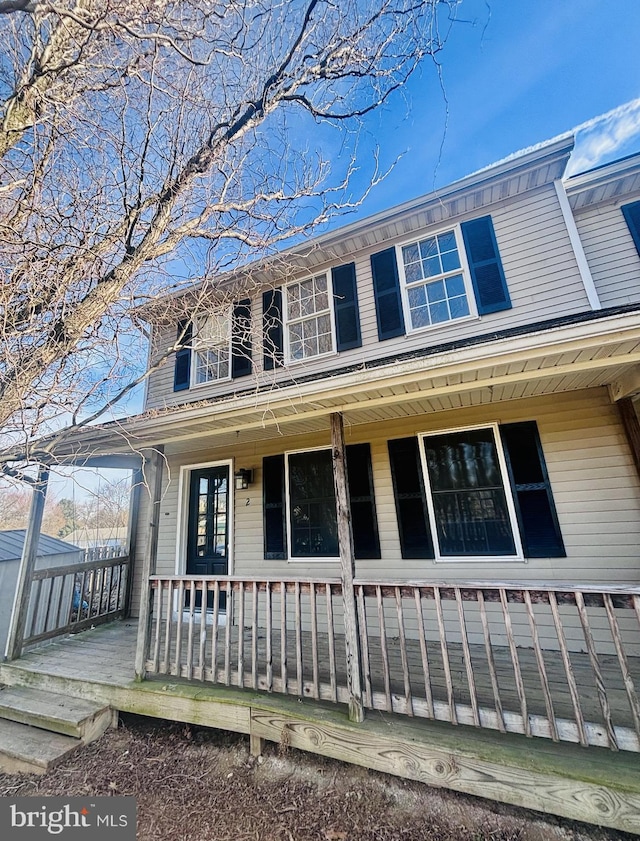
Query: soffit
[[509, 370]]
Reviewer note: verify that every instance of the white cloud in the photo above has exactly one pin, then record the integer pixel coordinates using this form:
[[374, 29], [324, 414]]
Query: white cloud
[[601, 138]]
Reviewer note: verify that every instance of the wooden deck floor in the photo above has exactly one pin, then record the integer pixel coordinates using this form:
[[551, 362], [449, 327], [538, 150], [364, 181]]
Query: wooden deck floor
[[595, 785]]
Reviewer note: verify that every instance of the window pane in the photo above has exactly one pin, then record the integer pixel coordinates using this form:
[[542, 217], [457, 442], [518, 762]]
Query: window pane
[[438, 257], [312, 505], [468, 494]]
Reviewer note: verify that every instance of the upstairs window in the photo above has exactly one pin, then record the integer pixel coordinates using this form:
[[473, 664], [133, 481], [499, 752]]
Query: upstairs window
[[212, 348], [434, 290], [309, 318]]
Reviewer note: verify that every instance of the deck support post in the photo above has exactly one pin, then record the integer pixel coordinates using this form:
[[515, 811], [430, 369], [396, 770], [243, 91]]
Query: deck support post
[[18, 620], [149, 565], [347, 569], [631, 425]]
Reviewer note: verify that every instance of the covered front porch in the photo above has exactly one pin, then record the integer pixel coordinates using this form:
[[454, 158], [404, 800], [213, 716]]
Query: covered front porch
[[601, 786]]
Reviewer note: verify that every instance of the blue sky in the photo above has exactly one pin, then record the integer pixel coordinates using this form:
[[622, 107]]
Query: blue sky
[[515, 73]]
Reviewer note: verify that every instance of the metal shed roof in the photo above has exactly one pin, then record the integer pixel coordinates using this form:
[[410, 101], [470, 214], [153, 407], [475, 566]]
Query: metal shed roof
[[12, 541]]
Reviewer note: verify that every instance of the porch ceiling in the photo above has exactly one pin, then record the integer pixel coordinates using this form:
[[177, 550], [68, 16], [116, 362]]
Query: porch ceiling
[[564, 359]]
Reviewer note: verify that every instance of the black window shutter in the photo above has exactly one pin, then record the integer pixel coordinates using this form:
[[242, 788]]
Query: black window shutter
[[487, 274], [241, 339], [182, 363], [631, 213], [275, 540], [363, 506], [345, 299], [535, 508], [272, 338], [409, 496], [386, 290]]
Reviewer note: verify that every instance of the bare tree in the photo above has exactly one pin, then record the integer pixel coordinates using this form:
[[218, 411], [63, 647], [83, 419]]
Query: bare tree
[[147, 144]]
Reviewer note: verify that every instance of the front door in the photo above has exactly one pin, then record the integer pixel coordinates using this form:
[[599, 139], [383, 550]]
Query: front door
[[208, 535]]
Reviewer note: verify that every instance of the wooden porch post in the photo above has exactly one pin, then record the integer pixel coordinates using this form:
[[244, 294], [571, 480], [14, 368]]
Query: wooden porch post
[[137, 478], [149, 564], [18, 621], [348, 565]]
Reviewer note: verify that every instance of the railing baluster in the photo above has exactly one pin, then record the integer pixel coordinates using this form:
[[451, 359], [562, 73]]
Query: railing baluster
[[466, 653], [597, 672], [568, 668], [364, 647], [332, 645], [624, 664], [45, 625], [517, 673], [192, 613], [177, 667], [203, 628], [61, 589], [542, 670], [227, 636], [283, 636], [35, 601], [491, 663], [157, 607], [403, 653], [269, 641], [299, 674], [444, 649], [383, 650], [214, 631], [254, 636], [241, 634], [426, 674], [314, 640], [166, 666]]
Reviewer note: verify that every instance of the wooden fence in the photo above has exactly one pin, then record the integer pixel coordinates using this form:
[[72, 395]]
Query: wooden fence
[[560, 663], [67, 599]]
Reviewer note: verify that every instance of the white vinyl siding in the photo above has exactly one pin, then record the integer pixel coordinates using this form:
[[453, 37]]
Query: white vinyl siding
[[540, 269], [611, 254]]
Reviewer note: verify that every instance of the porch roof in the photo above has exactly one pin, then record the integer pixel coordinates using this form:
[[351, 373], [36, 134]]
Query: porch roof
[[551, 358]]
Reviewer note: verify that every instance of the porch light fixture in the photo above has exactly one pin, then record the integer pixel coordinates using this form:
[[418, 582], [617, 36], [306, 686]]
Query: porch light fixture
[[243, 478]]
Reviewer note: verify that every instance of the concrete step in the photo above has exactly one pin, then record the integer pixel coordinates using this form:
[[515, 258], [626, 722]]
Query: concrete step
[[29, 750], [81, 719]]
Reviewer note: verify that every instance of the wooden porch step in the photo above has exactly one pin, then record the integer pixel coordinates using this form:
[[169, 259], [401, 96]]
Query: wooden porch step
[[48, 711], [30, 750]]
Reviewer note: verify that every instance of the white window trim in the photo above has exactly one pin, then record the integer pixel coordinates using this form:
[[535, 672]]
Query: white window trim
[[473, 559], [464, 270], [285, 320], [195, 350], [293, 559]]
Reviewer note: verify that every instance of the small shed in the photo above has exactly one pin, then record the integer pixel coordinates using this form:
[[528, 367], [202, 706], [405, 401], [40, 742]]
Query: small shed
[[52, 552]]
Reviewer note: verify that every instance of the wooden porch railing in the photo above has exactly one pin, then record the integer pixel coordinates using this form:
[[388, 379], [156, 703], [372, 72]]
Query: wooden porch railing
[[70, 598], [561, 663]]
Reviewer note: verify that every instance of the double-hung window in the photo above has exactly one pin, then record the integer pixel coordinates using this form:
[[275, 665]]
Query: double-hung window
[[435, 280], [473, 494], [311, 502], [469, 500], [309, 318], [212, 348]]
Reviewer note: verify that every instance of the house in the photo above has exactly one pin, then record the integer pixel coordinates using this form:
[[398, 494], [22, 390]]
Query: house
[[398, 468]]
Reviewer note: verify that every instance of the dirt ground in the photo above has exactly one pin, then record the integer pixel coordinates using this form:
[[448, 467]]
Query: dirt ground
[[195, 784]]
